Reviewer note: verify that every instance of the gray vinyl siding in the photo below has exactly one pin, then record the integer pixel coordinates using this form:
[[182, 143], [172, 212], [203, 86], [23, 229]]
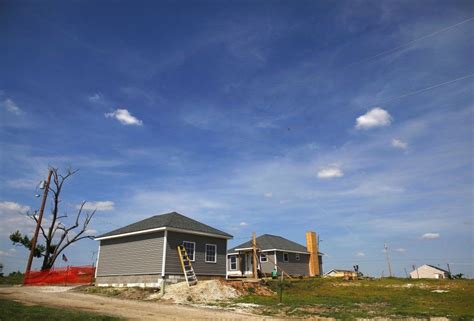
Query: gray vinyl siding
[[173, 264], [294, 267], [134, 254], [267, 267]]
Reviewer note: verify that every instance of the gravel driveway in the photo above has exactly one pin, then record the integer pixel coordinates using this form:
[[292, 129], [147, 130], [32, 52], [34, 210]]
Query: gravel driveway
[[128, 309]]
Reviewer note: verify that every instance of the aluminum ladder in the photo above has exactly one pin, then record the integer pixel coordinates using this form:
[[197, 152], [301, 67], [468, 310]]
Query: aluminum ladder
[[188, 270]]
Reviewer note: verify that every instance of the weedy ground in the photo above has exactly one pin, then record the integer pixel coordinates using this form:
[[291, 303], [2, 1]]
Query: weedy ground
[[11, 310], [388, 297]]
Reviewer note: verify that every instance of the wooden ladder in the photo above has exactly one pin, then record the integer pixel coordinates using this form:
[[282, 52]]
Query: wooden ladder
[[188, 270]]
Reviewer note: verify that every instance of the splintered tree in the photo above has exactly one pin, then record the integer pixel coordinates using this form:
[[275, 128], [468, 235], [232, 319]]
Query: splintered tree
[[57, 236]]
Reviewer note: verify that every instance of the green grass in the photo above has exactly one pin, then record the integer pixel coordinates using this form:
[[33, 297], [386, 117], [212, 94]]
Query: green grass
[[12, 278], [11, 310], [389, 297]]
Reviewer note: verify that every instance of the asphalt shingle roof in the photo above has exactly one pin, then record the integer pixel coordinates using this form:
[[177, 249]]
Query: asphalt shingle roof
[[269, 242], [438, 268], [172, 219]]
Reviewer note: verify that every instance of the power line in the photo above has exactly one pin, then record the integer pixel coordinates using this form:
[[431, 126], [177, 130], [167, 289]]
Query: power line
[[406, 44], [423, 89]]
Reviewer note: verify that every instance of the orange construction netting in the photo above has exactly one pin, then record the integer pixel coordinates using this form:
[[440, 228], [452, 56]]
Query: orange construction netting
[[70, 275]]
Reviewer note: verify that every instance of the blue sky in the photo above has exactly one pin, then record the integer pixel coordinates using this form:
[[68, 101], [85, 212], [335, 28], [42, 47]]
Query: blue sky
[[352, 119]]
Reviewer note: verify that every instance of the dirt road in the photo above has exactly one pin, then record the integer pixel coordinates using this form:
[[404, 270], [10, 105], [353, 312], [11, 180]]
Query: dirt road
[[128, 309]]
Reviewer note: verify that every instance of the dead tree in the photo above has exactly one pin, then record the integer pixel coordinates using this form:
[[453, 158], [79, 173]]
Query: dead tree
[[57, 236]]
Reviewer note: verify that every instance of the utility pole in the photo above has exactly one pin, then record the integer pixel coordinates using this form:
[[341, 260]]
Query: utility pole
[[406, 273], [38, 225], [388, 261], [449, 269], [254, 252]]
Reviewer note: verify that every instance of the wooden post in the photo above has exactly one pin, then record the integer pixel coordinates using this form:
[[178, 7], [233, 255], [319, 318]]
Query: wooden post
[[38, 225], [312, 248], [254, 252], [281, 287]]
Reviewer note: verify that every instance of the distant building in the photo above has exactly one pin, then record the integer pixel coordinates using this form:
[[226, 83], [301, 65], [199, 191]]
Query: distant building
[[427, 271], [337, 273]]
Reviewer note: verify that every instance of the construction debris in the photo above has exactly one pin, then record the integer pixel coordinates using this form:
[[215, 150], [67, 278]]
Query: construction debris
[[202, 292]]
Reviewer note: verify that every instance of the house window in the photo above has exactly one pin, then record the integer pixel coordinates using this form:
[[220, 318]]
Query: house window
[[233, 262], [190, 249], [297, 256], [263, 257], [211, 253], [286, 257]]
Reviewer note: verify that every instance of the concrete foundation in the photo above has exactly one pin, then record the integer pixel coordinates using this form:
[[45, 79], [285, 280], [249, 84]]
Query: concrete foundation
[[144, 281]]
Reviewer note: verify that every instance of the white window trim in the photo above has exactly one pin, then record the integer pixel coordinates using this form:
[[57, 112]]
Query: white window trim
[[266, 258], [194, 253], [215, 253], [230, 262], [287, 255]]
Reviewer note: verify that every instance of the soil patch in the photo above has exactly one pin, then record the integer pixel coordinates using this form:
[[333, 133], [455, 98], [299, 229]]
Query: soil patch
[[245, 288], [203, 292]]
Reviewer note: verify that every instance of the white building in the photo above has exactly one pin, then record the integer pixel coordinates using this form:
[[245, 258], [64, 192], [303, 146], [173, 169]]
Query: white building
[[427, 271]]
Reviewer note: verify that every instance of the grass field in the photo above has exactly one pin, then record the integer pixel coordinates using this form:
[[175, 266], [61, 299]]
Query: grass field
[[389, 297], [11, 310], [12, 278]]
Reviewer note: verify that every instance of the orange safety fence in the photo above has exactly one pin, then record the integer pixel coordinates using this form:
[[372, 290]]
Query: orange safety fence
[[70, 275]]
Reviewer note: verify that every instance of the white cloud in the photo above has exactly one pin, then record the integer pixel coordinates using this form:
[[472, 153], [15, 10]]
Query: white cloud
[[11, 106], [330, 172], [268, 195], [23, 183], [10, 252], [397, 143], [12, 216], [124, 117], [100, 206], [376, 117], [90, 232], [401, 250], [430, 236], [12, 207], [243, 224], [360, 254], [95, 98]]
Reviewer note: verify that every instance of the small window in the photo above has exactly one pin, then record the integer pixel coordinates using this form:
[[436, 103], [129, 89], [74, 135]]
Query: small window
[[190, 249], [297, 256], [263, 257], [211, 253], [286, 257], [233, 262]]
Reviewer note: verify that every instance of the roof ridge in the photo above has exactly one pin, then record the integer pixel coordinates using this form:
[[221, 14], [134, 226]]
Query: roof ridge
[[171, 220]]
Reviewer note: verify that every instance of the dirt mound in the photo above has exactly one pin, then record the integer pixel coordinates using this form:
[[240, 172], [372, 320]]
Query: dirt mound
[[246, 288], [202, 292]]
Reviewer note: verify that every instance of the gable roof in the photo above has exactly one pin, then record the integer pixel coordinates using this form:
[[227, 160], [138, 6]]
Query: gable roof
[[169, 221], [272, 242], [437, 268]]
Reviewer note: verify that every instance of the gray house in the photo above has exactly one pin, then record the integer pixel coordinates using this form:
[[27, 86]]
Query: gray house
[[291, 257], [144, 253]]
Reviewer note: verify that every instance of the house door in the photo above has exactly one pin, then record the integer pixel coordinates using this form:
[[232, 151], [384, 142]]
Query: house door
[[248, 264]]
